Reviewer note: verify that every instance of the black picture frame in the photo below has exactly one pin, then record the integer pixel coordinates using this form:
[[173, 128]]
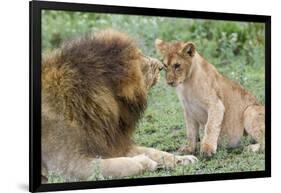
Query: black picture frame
[[35, 94]]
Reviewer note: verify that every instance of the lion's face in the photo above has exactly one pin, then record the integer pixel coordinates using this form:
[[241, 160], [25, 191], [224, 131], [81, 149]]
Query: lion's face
[[177, 60], [151, 68]]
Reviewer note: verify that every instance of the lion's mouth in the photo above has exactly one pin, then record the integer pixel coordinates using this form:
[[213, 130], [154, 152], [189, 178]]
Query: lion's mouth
[[158, 77]]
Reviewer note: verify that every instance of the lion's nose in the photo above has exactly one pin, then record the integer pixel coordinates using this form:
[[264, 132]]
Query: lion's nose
[[161, 66]]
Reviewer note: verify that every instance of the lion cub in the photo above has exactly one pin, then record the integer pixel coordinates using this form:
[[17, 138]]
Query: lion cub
[[210, 100]]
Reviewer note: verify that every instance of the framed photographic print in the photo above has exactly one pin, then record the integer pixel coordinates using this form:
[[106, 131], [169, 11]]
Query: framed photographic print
[[127, 96]]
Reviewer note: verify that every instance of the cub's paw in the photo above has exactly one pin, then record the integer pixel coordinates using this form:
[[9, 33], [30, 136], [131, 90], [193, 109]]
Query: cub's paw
[[253, 148], [208, 150], [146, 162], [186, 159]]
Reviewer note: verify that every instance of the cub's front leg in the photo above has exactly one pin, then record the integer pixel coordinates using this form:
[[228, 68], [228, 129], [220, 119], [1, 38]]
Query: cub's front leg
[[192, 128], [212, 128]]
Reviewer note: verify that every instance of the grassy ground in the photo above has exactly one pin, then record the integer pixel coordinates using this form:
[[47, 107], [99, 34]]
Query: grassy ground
[[235, 48]]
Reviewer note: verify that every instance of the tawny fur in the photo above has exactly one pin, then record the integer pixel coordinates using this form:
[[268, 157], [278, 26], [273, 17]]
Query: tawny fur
[[94, 91], [210, 100]]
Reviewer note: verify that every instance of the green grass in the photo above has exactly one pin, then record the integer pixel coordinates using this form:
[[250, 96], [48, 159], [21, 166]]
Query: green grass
[[235, 48]]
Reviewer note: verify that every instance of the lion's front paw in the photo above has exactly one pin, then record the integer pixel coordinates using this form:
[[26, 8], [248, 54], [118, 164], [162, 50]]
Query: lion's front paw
[[186, 159], [146, 162], [208, 150], [186, 149]]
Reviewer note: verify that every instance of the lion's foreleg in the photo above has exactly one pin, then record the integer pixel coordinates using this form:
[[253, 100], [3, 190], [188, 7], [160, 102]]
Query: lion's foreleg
[[87, 168], [118, 167], [126, 166]]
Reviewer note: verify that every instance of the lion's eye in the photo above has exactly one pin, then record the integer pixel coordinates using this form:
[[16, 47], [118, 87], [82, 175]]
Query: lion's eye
[[177, 65]]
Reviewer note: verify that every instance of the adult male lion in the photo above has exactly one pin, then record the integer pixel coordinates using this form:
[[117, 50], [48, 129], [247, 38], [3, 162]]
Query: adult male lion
[[210, 100], [94, 90]]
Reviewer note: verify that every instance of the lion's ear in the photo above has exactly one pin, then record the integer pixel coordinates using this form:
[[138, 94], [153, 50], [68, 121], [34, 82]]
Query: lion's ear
[[161, 46], [188, 49]]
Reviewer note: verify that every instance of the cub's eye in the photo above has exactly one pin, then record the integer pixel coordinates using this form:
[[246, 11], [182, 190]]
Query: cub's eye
[[177, 65], [165, 66]]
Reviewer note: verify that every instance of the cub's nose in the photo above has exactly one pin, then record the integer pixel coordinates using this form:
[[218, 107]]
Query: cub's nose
[[171, 83]]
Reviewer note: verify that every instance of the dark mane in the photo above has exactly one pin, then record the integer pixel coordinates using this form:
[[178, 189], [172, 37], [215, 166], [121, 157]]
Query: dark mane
[[84, 82]]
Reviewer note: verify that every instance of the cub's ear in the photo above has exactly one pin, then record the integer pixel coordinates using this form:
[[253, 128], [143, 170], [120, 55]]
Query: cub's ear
[[188, 49], [161, 46]]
